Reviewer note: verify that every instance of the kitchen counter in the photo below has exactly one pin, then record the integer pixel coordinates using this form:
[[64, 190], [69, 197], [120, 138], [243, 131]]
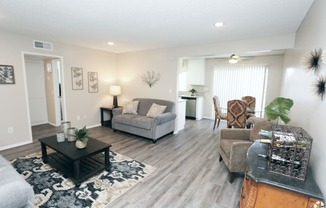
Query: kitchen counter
[[189, 96]]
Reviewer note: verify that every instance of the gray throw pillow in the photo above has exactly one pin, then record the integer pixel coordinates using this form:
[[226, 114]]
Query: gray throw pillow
[[155, 110], [130, 108]]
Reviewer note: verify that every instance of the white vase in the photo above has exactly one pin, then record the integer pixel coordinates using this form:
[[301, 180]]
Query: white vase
[[80, 144]]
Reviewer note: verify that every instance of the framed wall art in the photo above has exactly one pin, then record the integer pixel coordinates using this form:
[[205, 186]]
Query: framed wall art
[[7, 75], [77, 78], [92, 82]]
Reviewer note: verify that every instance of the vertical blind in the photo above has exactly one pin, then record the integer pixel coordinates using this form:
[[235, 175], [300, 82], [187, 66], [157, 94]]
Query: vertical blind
[[234, 82]]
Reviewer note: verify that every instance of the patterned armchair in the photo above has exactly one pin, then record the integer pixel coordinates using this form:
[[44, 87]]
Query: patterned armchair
[[236, 115]]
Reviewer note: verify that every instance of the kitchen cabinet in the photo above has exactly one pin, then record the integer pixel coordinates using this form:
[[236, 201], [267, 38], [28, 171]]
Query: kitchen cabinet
[[196, 71], [262, 188]]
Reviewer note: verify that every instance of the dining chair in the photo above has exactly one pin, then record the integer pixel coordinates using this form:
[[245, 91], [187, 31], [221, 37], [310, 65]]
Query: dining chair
[[251, 105], [236, 114], [218, 113]]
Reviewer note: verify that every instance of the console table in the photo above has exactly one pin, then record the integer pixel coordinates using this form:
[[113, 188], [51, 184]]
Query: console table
[[262, 188]]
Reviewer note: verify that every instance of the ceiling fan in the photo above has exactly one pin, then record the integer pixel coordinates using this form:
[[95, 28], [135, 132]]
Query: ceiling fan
[[233, 59]]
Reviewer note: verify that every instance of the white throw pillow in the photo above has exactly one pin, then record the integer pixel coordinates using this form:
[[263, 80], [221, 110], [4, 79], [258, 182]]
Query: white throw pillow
[[130, 107], [155, 110]]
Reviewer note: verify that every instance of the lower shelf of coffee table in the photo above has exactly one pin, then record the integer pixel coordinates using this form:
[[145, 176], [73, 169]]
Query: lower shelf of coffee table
[[88, 166]]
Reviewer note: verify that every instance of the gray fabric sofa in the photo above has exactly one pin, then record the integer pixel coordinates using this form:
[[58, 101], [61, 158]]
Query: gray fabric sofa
[[152, 128], [14, 190]]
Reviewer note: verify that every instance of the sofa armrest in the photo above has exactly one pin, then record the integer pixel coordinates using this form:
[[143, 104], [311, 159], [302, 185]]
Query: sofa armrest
[[116, 111], [165, 117], [239, 134]]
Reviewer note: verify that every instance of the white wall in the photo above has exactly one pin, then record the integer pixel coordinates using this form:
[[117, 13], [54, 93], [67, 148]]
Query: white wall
[[85, 106], [14, 106], [308, 110], [165, 61]]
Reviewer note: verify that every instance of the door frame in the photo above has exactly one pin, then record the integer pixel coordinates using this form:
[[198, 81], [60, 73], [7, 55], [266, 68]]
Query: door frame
[[63, 94]]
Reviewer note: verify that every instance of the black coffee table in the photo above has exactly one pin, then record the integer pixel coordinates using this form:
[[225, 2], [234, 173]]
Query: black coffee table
[[77, 164]]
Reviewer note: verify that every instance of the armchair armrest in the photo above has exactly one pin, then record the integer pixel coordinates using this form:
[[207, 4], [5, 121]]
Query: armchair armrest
[[165, 117], [116, 111], [239, 134], [238, 156]]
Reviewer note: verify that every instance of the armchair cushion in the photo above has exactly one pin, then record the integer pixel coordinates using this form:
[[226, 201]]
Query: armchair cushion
[[260, 125], [235, 134]]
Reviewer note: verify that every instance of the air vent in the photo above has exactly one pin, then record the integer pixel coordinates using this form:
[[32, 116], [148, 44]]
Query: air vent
[[43, 45]]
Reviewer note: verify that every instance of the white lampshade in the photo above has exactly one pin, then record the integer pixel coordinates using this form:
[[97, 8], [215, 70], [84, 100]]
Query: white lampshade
[[115, 90]]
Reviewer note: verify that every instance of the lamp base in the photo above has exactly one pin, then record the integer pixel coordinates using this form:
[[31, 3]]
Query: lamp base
[[115, 101]]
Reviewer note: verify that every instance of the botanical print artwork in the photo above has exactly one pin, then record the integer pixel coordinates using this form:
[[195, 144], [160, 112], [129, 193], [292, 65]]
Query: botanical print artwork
[[92, 82], [151, 78], [7, 75], [77, 78]]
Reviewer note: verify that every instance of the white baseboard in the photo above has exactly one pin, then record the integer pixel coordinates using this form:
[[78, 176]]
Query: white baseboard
[[15, 145]]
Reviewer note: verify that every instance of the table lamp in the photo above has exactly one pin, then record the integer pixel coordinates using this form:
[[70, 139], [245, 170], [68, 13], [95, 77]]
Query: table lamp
[[115, 91]]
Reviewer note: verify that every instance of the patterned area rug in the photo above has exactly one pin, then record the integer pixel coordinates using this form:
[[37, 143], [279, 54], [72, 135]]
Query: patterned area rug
[[53, 190]]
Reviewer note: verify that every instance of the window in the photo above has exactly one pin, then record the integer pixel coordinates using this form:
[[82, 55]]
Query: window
[[234, 82]]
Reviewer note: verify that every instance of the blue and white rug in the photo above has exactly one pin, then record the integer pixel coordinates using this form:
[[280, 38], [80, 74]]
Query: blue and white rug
[[53, 190]]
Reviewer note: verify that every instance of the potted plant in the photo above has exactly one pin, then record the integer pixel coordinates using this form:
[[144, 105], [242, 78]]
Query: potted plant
[[279, 109], [81, 137], [193, 91]]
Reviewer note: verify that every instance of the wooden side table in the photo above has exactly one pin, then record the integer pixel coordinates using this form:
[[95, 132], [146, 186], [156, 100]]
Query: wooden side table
[[107, 123], [262, 188]]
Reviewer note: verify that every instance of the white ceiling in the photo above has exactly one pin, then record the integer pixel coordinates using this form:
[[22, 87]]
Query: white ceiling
[[147, 24]]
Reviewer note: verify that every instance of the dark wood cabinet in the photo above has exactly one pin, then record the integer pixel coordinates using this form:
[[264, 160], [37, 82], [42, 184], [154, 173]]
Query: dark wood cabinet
[[262, 188]]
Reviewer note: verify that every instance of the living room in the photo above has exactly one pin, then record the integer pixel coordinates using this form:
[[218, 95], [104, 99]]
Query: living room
[[126, 69]]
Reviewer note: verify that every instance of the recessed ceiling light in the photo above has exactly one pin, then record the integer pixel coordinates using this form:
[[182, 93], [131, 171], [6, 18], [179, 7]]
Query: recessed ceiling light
[[110, 43], [219, 24]]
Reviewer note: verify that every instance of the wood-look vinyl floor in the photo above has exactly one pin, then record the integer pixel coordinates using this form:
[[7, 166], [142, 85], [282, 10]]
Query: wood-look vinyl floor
[[188, 173]]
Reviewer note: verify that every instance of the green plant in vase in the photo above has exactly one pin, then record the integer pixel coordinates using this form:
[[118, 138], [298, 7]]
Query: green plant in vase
[[279, 109], [193, 92], [81, 137]]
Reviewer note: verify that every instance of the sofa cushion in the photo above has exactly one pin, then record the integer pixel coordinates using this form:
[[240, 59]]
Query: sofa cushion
[[155, 110], [130, 107], [142, 122], [124, 118]]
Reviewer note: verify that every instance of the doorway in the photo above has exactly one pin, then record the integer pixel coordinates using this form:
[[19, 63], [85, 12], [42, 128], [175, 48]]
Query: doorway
[[44, 84]]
